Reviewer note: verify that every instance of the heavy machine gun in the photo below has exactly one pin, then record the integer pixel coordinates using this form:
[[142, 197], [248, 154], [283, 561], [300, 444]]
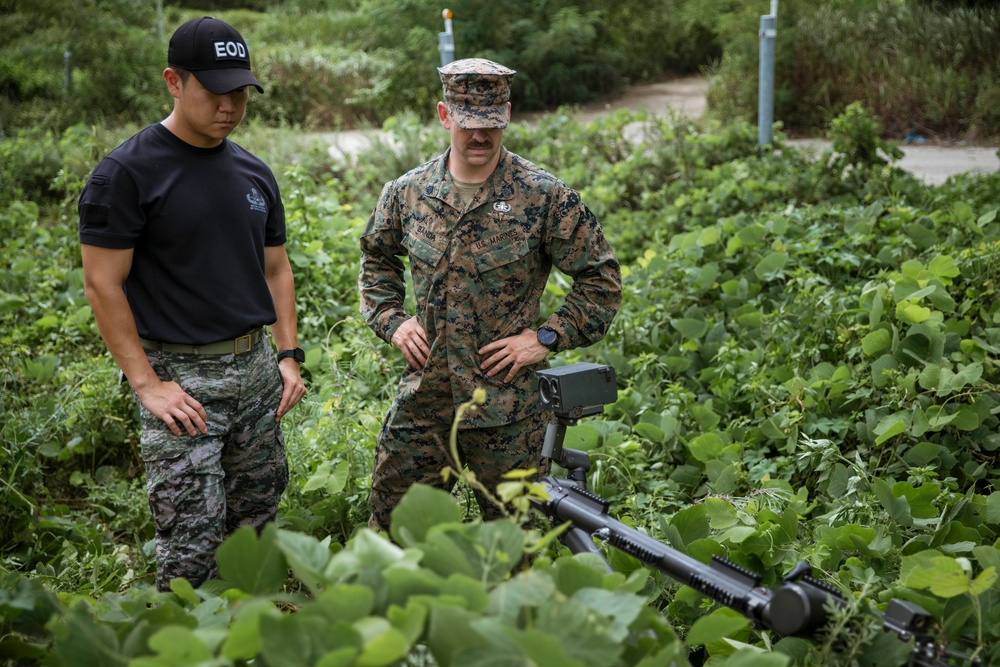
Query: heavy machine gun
[[801, 606]]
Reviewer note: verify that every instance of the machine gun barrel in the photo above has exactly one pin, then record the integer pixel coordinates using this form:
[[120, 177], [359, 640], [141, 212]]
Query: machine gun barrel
[[798, 607]]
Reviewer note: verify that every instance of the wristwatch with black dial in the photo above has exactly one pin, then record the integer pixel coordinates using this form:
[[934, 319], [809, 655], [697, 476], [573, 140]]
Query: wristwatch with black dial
[[295, 353], [548, 337]]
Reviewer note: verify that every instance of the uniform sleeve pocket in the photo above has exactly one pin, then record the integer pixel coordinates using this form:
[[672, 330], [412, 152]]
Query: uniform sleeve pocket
[[93, 215]]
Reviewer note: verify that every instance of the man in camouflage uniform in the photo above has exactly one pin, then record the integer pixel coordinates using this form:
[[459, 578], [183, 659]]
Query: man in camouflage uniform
[[482, 228], [182, 239]]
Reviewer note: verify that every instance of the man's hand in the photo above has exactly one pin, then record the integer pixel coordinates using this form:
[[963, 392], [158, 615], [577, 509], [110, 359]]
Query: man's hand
[[513, 352], [293, 389], [167, 401], [411, 339]]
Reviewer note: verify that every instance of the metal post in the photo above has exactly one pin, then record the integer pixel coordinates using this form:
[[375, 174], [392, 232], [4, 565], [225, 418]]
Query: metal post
[[765, 93], [446, 40], [69, 71]]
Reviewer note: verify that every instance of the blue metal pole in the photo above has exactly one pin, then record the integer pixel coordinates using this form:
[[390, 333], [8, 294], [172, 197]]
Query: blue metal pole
[[765, 94]]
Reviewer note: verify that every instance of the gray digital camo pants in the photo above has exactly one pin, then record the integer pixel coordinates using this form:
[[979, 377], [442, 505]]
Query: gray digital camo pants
[[202, 488]]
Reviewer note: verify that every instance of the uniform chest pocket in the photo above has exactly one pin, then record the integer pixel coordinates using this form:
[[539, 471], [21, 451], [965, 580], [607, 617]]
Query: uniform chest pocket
[[502, 258], [422, 250]]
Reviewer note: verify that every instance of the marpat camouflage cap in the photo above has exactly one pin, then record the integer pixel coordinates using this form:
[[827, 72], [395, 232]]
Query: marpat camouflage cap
[[477, 92]]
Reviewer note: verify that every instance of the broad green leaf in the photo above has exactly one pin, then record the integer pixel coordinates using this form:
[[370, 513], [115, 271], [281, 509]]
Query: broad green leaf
[[341, 657], [306, 556], [944, 576], [650, 432], [543, 648], [720, 624], [383, 644], [983, 581], [332, 481], [690, 328], [993, 508], [708, 236], [176, 646], [10, 302], [692, 524], [318, 479], [948, 381], [254, 565], [966, 418], [582, 436], [450, 633], [770, 267], [876, 342], [183, 589], [912, 313], [707, 447], [420, 509], [944, 267], [721, 513], [890, 426], [365, 551], [911, 290], [344, 603], [898, 508], [243, 640], [291, 640], [930, 377], [752, 235], [736, 534], [920, 499], [90, 644], [755, 657], [707, 418], [621, 607], [877, 309], [527, 589], [880, 376], [409, 621]]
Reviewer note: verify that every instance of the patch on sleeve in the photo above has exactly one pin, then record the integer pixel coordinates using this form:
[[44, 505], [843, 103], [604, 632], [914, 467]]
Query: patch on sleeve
[[94, 215], [99, 180]]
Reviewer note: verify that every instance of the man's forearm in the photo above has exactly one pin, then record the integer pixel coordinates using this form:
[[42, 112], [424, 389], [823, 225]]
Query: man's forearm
[[117, 328]]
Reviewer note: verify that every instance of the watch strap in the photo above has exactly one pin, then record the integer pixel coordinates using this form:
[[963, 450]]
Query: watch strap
[[295, 353]]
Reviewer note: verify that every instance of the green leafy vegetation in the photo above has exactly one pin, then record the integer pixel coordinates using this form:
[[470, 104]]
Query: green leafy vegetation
[[806, 357], [924, 65]]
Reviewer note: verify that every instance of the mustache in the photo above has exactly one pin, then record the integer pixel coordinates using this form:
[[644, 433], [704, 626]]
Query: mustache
[[480, 144]]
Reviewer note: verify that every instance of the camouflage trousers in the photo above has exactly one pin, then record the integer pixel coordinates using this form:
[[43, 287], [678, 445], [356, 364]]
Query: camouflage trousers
[[413, 449], [202, 488]]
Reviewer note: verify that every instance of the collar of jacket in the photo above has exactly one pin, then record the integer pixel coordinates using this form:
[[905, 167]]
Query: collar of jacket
[[499, 185]]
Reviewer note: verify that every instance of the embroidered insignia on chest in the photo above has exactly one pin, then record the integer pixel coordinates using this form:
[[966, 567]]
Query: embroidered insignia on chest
[[501, 206], [257, 202]]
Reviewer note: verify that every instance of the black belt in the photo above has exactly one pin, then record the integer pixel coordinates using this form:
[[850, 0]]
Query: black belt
[[240, 345]]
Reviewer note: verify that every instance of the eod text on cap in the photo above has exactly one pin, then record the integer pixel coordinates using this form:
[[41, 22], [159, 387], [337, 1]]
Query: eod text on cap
[[215, 53]]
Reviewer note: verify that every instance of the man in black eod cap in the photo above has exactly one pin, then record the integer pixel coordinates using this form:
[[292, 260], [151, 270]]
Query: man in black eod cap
[[182, 237]]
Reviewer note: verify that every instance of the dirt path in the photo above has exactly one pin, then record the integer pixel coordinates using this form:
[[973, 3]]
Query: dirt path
[[931, 163]]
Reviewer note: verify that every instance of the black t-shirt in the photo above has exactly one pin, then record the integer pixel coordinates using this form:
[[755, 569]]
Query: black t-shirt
[[198, 220]]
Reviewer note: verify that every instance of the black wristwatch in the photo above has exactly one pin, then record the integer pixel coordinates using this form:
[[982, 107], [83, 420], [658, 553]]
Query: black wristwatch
[[548, 337], [295, 353]]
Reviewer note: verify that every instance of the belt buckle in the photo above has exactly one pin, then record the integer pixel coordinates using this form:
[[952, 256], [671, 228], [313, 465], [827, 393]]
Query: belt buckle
[[238, 344]]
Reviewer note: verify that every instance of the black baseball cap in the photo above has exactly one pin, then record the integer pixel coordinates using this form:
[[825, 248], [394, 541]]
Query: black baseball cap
[[215, 53]]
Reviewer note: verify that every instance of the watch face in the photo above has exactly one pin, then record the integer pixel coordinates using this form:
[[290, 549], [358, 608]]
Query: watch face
[[547, 337]]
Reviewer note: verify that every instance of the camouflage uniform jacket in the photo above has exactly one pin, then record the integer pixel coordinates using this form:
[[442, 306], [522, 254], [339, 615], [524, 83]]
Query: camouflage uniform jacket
[[478, 274]]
